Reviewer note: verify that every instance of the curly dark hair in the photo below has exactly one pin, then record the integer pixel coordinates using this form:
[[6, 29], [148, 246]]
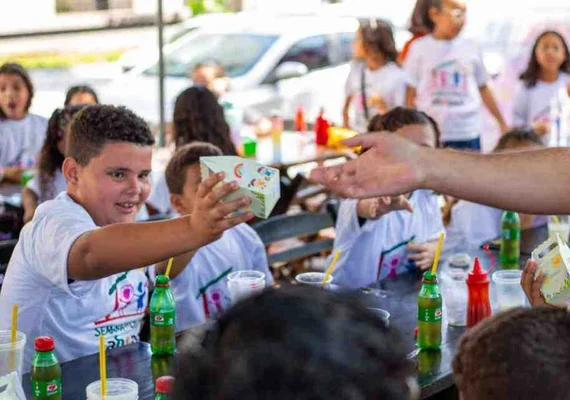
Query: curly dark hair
[[517, 136], [296, 342], [95, 125], [403, 116], [377, 37], [50, 159], [185, 157], [199, 117], [72, 91], [17, 69], [520, 354], [530, 75]]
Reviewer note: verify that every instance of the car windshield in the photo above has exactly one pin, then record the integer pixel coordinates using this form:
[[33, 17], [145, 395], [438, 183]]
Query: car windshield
[[236, 53]]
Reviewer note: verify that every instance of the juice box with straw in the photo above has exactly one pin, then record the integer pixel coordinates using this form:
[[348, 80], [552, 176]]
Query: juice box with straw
[[256, 181], [553, 260]]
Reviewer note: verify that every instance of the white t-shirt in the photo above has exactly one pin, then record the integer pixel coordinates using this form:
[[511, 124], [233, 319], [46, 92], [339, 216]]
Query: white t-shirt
[[377, 249], [201, 288], [533, 104], [159, 196], [447, 75], [387, 82], [21, 141], [75, 314]]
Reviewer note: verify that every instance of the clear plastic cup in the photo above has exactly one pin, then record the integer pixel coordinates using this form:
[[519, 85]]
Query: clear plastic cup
[[242, 284], [508, 289], [313, 279], [454, 293], [460, 260], [11, 358], [559, 224], [383, 314], [117, 389]]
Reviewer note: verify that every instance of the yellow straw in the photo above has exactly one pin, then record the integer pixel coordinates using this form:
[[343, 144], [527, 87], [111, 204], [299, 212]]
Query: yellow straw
[[169, 267], [555, 219], [103, 366], [13, 335], [437, 253], [331, 268]]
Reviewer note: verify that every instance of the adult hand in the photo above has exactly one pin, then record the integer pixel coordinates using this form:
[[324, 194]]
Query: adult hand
[[379, 206], [390, 166], [423, 254]]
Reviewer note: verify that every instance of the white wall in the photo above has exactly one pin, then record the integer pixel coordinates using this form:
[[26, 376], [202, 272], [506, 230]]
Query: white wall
[[150, 6], [22, 15]]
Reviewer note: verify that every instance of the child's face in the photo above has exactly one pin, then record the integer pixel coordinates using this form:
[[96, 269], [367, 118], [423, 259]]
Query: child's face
[[113, 186], [550, 52], [185, 202], [14, 95], [422, 135], [450, 18], [81, 98]]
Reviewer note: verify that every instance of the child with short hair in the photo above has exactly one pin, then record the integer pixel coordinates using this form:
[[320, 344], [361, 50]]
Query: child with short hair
[[447, 78], [547, 74], [81, 94], [377, 84], [83, 258], [297, 342], [383, 237], [201, 288], [520, 354], [21, 133]]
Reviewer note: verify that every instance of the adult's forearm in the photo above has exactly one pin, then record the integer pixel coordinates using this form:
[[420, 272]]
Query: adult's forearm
[[536, 182]]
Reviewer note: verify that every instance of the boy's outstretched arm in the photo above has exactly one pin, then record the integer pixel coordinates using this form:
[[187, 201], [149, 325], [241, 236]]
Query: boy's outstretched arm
[[121, 247]]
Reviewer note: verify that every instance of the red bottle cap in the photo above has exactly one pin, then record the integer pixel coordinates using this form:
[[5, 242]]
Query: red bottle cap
[[44, 343], [477, 274], [164, 384]]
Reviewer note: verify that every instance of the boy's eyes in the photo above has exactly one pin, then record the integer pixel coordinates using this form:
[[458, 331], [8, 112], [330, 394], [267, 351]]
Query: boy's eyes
[[117, 175], [144, 175]]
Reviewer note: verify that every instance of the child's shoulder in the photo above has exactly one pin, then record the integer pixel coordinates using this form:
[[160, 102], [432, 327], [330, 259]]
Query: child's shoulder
[[62, 208], [245, 234]]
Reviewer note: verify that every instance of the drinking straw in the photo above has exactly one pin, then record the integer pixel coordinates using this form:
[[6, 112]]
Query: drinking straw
[[169, 267], [330, 268], [437, 253], [103, 366], [555, 219], [13, 335]]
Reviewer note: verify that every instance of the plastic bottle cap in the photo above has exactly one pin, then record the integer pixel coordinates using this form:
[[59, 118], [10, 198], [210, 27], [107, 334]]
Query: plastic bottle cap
[[428, 277], [44, 343], [477, 274], [164, 384], [162, 280]]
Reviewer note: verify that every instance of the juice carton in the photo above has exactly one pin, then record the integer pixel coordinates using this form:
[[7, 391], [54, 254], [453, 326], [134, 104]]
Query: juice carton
[[553, 260], [256, 181]]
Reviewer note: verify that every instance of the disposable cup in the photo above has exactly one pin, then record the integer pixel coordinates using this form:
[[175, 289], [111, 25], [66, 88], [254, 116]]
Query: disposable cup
[[117, 389], [11, 357], [243, 284]]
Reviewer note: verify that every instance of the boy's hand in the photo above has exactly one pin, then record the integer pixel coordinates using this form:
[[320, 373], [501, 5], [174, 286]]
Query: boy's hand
[[531, 283], [210, 217], [423, 254], [375, 208]]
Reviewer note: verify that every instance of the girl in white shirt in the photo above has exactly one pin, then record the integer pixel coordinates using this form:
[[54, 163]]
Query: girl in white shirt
[[21, 133], [545, 79], [383, 237], [376, 84]]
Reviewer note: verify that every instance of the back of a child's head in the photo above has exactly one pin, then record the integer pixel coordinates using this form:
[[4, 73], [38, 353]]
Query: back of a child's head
[[198, 117], [97, 125], [187, 156], [297, 342], [521, 354], [518, 139], [378, 38], [424, 10], [531, 74], [402, 116], [417, 19], [74, 90], [17, 69]]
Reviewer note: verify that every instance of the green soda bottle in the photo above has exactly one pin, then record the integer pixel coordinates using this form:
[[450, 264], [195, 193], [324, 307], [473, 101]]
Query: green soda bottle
[[510, 240], [429, 313], [46, 372], [162, 318], [164, 386]]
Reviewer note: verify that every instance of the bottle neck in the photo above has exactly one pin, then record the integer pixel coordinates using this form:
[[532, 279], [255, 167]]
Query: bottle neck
[[45, 358]]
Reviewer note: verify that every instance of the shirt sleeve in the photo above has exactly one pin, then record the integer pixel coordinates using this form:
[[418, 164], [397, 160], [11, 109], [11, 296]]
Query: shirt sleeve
[[412, 67], [159, 196], [52, 239], [479, 70], [352, 80], [34, 185], [347, 226], [520, 107], [399, 92]]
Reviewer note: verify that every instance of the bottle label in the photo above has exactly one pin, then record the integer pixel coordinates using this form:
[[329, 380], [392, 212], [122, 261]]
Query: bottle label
[[429, 314], [162, 319], [42, 389], [511, 234]]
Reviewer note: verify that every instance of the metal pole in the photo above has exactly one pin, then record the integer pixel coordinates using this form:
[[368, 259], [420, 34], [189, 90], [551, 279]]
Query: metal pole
[[161, 141]]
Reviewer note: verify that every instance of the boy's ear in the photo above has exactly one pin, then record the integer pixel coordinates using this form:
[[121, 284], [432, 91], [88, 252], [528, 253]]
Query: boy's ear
[[177, 203], [70, 170]]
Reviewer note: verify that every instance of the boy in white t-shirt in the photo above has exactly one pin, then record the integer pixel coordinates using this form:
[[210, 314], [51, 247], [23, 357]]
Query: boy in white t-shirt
[[201, 288], [447, 78], [381, 238], [79, 268]]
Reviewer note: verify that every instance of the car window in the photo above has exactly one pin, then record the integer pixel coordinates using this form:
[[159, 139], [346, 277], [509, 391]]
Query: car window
[[236, 53], [312, 51]]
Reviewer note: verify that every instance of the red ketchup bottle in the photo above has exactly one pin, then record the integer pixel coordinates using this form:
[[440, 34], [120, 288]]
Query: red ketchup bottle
[[321, 129], [478, 304]]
